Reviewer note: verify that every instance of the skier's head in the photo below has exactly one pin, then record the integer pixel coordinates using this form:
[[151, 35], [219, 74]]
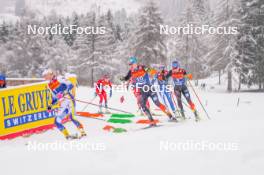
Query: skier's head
[[48, 74], [132, 60], [175, 65]]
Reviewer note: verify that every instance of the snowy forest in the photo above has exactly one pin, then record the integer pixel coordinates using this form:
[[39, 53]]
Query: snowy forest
[[240, 57]]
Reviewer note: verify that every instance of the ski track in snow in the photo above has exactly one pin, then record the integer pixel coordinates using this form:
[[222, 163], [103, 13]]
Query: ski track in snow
[[139, 152]]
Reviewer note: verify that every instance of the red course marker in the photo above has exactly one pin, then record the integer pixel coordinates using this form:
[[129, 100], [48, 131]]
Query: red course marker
[[87, 114], [147, 122]]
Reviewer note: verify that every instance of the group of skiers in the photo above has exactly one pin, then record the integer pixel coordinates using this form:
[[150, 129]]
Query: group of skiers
[[142, 80]]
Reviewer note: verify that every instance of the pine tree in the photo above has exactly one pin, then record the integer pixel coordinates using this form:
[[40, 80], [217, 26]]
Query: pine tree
[[4, 32], [148, 43], [224, 52], [27, 55], [250, 61], [190, 49], [71, 37]]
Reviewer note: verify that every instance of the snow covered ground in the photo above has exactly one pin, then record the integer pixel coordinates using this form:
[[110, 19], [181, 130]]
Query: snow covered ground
[[230, 143]]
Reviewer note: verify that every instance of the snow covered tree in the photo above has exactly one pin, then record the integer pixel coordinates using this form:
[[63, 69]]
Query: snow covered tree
[[224, 52], [148, 43], [190, 48], [71, 37], [96, 50], [4, 32], [27, 50], [250, 61]]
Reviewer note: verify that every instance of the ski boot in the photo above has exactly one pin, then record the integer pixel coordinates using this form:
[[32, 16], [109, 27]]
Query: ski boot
[[68, 136], [72, 137], [83, 133], [197, 118], [107, 111], [176, 114], [183, 114], [152, 123], [172, 119], [100, 110]]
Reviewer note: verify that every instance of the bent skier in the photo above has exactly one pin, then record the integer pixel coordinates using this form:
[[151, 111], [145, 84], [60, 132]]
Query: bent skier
[[179, 76], [163, 88], [139, 75], [61, 94]]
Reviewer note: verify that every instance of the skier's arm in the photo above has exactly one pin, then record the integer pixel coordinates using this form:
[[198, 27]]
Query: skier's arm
[[169, 74], [98, 87], [127, 77], [187, 75], [111, 91]]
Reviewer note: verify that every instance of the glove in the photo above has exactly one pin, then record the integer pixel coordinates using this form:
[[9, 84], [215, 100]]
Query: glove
[[189, 76], [49, 109], [110, 93], [122, 78], [122, 99]]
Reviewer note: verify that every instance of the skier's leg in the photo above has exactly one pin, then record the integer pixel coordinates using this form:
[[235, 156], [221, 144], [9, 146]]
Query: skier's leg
[[147, 104], [77, 124], [106, 102], [100, 102], [162, 95], [156, 101], [143, 100], [137, 95], [61, 114], [177, 91], [187, 96], [105, 98], [169, 98]]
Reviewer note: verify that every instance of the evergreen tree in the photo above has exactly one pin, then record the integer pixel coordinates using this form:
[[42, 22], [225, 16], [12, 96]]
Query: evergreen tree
[[148, 44], [250, 60], [4, 32], [223, 52]]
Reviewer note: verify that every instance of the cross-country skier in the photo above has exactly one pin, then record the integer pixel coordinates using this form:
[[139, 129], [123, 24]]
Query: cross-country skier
[[100, 90], [163, 88], [136, 93], [179, 77], [2, 81], [61, 95], [139, 75]]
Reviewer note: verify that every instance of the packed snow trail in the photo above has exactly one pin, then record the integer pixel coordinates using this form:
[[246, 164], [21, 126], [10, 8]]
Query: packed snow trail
[[143, 151]]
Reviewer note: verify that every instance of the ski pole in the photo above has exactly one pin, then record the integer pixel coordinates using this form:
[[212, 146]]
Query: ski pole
[[88, 104], [114, 109], [199, 100]]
